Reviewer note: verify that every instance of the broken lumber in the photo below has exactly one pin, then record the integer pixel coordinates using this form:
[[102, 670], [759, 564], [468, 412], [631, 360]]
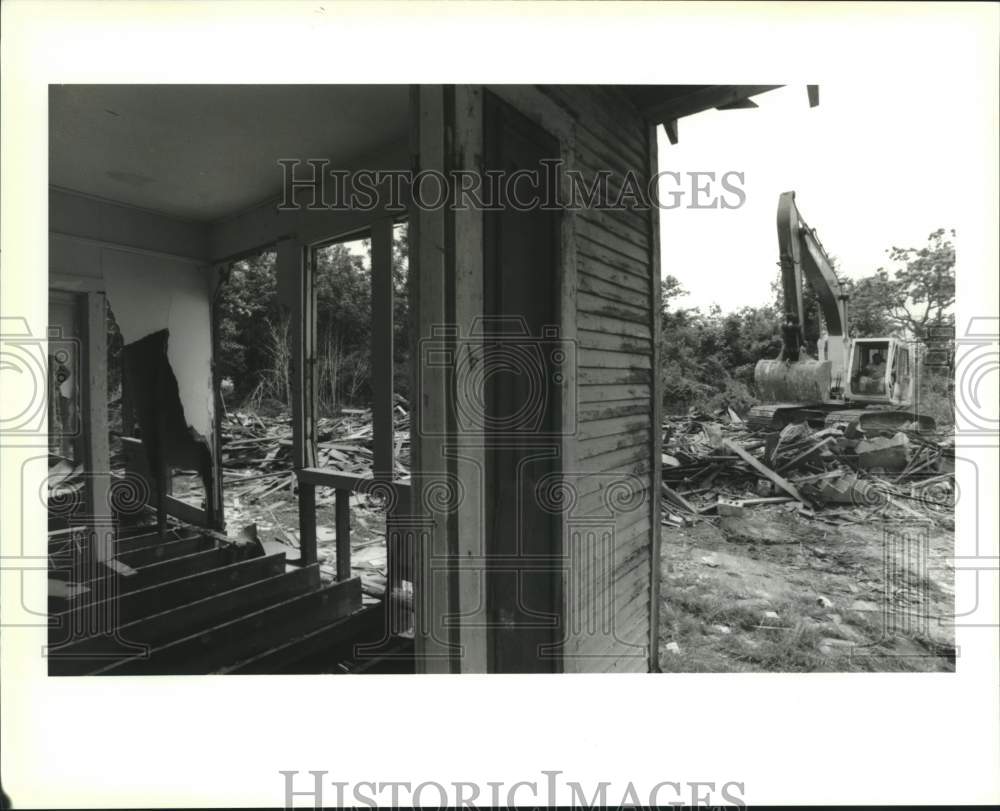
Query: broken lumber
[[677, 499], [764, 471]]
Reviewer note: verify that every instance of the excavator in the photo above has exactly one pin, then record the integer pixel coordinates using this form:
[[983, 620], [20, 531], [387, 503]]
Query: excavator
[[829, 378]]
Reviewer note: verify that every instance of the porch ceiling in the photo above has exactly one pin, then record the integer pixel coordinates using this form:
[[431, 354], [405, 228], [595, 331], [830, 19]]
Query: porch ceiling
[[202, 152]]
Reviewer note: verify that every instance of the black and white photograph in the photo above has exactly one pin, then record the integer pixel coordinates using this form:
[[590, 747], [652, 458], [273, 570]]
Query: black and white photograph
[[679, 395]]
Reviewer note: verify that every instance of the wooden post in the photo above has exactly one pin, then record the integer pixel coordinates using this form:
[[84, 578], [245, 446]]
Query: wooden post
[[382, 365], [307, 524], [295, 294], [94, 419], [469, 459], [217, 520], [656, 406], [342, 523], [435, 641]]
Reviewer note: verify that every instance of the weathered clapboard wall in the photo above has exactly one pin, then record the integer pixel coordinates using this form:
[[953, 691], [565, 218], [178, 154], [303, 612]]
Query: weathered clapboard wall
[[611, 596]]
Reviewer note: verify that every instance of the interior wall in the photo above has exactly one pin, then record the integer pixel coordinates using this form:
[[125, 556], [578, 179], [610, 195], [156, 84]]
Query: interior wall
[[102, 221], [148, 294], [143, 262]]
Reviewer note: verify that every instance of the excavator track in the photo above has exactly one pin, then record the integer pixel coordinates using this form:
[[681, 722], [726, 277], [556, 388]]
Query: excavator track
[[775, 416], [880, 419]]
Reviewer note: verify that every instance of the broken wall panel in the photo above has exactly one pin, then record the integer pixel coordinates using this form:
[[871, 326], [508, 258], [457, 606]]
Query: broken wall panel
[[149, 294]]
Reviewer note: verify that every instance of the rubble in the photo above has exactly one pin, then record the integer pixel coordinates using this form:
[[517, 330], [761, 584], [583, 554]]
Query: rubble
[[344, 442], [717, 468]]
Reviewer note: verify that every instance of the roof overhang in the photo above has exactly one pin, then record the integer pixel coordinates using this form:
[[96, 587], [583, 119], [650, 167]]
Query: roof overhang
[[665, 104]]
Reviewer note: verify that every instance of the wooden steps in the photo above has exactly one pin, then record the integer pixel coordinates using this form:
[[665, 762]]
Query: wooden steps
[[191, 603], [213, 649], [319, 649]]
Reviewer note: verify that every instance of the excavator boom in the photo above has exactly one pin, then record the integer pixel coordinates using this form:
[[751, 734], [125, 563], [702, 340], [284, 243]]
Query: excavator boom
[[795, 376]]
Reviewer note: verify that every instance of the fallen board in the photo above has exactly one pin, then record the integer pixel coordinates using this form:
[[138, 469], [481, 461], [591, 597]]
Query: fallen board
[[765, 471]]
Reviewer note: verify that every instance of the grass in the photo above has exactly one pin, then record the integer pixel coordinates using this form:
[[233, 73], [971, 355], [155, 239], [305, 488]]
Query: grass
[[746, 581]]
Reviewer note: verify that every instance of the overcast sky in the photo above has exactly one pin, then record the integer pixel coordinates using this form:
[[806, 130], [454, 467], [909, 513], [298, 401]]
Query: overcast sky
[[872, 166]]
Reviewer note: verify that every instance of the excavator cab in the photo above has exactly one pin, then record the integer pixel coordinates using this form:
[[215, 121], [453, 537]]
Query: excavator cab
[[880, 372]]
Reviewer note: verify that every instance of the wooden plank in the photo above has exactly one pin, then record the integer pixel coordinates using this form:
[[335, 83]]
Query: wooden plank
[[611, 461], [294, 268], [588, 303], [342, 522], [382, 359], [615, 561], [187, 513], [614, 326], [604, 153], [594, 262], [597, 339], [580, 103], [431, 254], [602, 445], [592, 247], [590, 488], [228, 642], [470, 528], [597, 231], [598, 376], [214, 608], [622, 608], [188, 619], [136, 542], [308, 552], [602, 359], [172, 569], [165, 551], [294, 294], [218, 518], [629, 612], [163, 596], [623, 224], [331, 477], [593, 412], [94, 414], [677, 499], [612, 392], [601, 285], [765, 471], [607, 428], [344, 633]]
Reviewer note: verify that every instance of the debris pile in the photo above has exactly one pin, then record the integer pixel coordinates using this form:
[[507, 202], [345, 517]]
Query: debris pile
[[716, 468], [259, 484], [259, 449]]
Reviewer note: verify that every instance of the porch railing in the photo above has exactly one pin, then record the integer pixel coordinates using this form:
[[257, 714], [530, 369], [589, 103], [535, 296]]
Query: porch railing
[[395, 495]]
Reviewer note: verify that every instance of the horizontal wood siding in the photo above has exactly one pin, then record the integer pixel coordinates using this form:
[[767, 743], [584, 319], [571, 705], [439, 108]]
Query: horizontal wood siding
[[608, 528]]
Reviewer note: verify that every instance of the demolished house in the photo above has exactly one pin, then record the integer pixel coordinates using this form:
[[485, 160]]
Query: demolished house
[[524, 534]]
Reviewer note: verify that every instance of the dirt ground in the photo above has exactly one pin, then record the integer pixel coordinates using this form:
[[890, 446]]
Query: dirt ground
[[832, 598]]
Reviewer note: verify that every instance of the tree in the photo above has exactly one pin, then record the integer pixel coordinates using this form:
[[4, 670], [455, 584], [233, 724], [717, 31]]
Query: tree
[[866, 310], [248, 310], [670, 288], [920, 294]]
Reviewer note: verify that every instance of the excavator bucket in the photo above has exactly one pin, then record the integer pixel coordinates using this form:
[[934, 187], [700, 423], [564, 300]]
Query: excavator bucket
[[804, 381]]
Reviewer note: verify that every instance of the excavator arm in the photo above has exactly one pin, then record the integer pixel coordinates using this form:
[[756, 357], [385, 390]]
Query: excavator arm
[[795, 376], [801, 253]]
